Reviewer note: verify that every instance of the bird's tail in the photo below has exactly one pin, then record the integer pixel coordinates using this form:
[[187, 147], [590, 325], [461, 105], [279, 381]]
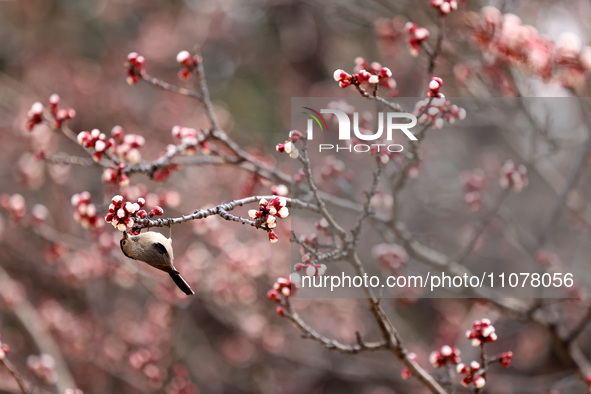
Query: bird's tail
[[180, 282]]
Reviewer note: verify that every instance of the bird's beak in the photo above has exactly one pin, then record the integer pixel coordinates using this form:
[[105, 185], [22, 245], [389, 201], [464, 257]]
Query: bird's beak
[[125, 235]]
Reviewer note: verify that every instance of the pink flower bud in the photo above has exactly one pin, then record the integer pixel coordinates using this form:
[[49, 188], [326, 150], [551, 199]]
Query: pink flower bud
[[283, 213], [184, 58], [271, 221], [100, 146], [273, 295], [385, 72], [54, 100], [340, 75], [156, 211], [506, 359], [36, 109], [479, 381], [273, 238], [118, 133], [295, 135], [406, 374]]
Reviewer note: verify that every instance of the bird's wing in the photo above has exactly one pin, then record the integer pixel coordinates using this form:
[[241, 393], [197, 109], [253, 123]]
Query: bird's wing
[[162, 250]]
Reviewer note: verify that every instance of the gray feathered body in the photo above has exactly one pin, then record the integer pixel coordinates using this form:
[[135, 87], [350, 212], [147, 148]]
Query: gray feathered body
[[154, 249]]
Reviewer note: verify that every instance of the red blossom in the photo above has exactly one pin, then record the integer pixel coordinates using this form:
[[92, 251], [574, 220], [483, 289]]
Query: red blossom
[[416, 36], [513, 176], [482, 332], [446, 354], [136, 66], [506, 359]]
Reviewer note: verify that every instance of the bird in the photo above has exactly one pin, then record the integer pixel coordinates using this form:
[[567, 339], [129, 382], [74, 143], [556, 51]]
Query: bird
[[154, 249]]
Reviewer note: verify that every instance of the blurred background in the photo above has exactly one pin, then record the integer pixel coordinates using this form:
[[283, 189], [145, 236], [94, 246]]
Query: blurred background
[[112, 325]]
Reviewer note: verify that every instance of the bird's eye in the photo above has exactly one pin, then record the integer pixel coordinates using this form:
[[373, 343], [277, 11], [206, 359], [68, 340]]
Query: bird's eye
[[123, 242]]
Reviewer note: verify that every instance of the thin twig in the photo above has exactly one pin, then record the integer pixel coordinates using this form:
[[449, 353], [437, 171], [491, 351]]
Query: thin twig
[[222, 210], [366, 206], [305, 161], [331, 344], [171, 88], [15, 374]]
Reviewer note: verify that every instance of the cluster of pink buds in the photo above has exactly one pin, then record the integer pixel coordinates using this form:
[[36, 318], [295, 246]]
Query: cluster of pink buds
[[283, 288], [115, 175], [309, 267], [268, 213], [473, 374], [372, 73], [289, 145], [3, 349], [343, 78], [310, 240], [86, 212], [390, 257], [446, 354], [407, 373], [35, 114], [59, 114], [482, 332], [445, 6], [96, 141], [126, 146], [14, 204], [513, 176], [384, 74], [434, 85], [416, 36], [436, 111], [188, 62], [43, 367], [508, 39], [474, 184], [122, 214], [145, 360], [136, 66], [189, 138]]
